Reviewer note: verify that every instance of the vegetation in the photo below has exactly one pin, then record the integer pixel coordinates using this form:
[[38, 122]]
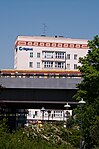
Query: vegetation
[[47, 136], [89, 91]]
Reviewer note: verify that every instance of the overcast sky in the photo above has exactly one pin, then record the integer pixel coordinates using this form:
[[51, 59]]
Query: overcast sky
[[68, 18]]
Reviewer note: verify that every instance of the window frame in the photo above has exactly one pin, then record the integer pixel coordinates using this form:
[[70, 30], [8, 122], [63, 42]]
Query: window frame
[[38, 64], [68, 66], [75, 66], [31, 54], [30, 64], [38, 54], [48, 64], [75, 56], [68, 56], [59, 55], [59, 65]]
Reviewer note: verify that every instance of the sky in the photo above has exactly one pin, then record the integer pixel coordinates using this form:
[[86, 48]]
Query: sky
[[68, 18]]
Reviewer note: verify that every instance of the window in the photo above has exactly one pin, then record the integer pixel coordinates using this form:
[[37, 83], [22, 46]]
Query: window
[[75, 56], [59, 65], [38, 64], [36, 113], [38, 55], [29, 113], [57, 114], [68, 56], [31, 54], [75, 66], [48, 54], [68, 66], [48, 64], [31, 64], [59, 55]]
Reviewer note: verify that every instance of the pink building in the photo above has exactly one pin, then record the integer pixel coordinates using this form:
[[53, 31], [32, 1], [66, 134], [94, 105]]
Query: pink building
[[41, 52]]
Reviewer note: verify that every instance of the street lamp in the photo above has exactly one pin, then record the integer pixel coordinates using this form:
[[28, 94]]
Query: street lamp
[[42, 110], [67, 106], [81, 102], [49, 112]]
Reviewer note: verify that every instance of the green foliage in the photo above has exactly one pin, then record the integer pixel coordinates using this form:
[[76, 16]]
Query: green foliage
[[88, 89], [49, 136], [74, 138]]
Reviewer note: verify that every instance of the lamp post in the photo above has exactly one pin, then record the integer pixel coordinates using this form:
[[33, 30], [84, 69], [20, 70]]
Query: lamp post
[[49, 112], [42, 110], [81, 102], [67, 106]]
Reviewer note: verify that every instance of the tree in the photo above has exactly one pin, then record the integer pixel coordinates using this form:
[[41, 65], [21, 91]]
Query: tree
[[46, 136], [88, 89]]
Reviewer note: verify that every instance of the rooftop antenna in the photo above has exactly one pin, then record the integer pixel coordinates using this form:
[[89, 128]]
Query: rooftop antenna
[[44, 29]]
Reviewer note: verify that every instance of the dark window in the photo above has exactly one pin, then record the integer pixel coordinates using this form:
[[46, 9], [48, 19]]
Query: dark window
[[75, 56], [38, 55], [75, 66], [68, 56], [30, 64]]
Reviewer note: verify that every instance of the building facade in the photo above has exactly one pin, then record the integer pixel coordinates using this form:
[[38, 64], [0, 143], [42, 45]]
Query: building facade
[[55, 53]]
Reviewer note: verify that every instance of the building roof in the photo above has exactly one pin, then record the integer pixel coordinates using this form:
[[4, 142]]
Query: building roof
[[52, 39]]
